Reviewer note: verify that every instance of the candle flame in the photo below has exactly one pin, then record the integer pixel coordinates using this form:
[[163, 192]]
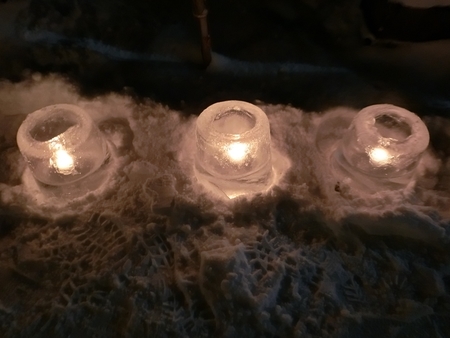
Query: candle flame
[[237, 151], [379, 156], [61, 160]]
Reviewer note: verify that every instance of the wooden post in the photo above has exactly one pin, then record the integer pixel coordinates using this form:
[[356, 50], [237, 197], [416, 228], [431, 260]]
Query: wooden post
[[201, 13]]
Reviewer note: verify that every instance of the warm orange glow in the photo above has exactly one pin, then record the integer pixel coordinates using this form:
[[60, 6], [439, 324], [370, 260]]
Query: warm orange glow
[[379, 156], [61, 160], [237, 151]]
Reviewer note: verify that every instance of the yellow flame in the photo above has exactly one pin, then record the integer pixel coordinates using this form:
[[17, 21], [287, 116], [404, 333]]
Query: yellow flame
[[379, 156], [237, 151], [61, 160]]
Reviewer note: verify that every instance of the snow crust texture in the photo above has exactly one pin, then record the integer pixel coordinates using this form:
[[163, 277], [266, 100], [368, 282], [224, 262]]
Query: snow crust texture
[[151, 254]]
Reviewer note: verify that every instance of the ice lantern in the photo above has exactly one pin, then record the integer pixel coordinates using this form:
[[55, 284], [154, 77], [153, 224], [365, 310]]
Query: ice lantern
[[233, 148], [382, 147], [61, 144]]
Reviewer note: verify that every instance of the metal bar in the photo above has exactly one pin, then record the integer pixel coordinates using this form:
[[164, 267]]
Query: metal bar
[[200, 12]]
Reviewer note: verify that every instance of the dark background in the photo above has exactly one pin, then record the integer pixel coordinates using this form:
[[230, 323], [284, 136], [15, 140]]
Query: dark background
[[360, 52]]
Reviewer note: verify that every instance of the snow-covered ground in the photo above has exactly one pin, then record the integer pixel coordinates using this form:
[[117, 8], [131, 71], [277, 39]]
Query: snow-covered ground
[[151, 253]]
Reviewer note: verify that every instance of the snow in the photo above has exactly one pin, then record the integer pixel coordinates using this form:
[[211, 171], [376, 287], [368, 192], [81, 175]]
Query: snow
[[141, 248], [151, 229]]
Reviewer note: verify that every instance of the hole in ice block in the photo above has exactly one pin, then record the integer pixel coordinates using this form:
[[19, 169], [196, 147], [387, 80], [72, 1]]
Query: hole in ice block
[[234, 122], [54, 126], [392, 126]]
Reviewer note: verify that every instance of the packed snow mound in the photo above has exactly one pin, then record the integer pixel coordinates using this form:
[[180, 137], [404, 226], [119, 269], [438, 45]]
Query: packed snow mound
[[151, 253]]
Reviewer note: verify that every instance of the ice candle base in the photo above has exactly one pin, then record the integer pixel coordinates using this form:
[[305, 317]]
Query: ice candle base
[[233, 153], [61, 144], [381, 148]]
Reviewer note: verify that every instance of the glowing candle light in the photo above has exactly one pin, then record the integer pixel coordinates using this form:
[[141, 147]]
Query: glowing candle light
[[61, 144], [233, 148], [382, 147], [379, 156], [237, 151], [61, 160]]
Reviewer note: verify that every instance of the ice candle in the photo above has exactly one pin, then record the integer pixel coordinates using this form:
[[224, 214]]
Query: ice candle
[[233, 151], [382, 147], [61, 144]]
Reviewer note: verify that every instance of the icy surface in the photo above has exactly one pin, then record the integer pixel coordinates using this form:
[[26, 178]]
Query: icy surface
[[233, 149], [151, 253], [61, 144], [382, 148]]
